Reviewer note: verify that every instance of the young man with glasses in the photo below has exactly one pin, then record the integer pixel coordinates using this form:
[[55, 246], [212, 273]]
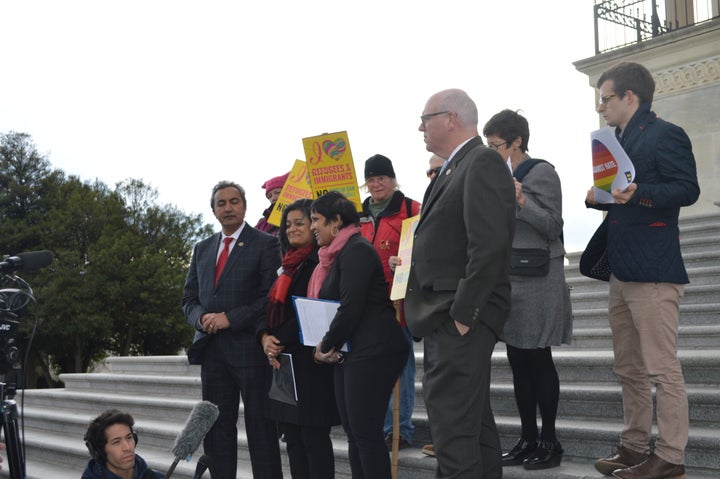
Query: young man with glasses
[[647, 275]]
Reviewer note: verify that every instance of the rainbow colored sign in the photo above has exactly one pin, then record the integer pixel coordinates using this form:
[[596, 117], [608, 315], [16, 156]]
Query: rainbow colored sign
[[612, 168], [604, 166]]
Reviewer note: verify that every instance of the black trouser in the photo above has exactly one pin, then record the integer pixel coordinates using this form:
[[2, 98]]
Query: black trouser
[[310, 451], [456, 386], [362, 392], [224, 385]]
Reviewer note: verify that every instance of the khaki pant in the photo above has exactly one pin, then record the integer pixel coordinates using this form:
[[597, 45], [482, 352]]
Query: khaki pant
[[644, 321]]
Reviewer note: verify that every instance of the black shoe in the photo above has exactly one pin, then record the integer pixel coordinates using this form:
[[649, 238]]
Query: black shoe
[[547, 454], [517, 455]]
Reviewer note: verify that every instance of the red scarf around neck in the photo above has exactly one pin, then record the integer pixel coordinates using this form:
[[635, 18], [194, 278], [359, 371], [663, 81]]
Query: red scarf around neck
[[279, 292]]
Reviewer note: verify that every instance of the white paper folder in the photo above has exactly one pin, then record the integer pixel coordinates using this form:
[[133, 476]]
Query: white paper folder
[[314, 318]]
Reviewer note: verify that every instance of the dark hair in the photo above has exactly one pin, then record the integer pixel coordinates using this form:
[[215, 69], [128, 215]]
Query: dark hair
[[302, 205], [333, 204], [509, 125], [227, 184], [95, 437], [630, 76]]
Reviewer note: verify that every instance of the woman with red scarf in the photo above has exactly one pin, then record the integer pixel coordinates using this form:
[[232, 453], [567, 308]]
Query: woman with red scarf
[[350, 271], [305, 422]]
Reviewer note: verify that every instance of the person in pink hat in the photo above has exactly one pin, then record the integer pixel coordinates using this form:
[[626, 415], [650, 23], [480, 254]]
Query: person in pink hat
[[272, 188]]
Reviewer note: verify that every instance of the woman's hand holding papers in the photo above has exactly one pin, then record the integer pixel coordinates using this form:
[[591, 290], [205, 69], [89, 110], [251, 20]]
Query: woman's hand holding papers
[[272, 347], [330, 357]]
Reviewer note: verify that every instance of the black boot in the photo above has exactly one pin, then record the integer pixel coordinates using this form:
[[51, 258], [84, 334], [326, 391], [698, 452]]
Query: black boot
[[547, 454], [522, 450]]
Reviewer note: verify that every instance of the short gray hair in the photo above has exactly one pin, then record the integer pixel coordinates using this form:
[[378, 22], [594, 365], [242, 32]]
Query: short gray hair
[[461, 104]]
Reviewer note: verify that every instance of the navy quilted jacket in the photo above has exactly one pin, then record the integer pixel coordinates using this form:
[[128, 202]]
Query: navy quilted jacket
[[643, 242]]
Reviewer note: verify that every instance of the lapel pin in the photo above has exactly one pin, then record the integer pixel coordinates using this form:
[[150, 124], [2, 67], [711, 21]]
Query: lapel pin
[[240, 243]]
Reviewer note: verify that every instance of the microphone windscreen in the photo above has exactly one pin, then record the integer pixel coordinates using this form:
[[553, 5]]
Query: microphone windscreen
[[202, 417], [35, 260]]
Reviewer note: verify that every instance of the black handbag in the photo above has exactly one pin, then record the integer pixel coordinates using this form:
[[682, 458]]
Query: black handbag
[[594, 261], [530, 261]]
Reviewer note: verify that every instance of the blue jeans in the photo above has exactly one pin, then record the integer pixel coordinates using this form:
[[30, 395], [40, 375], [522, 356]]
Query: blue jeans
[[407, 397]]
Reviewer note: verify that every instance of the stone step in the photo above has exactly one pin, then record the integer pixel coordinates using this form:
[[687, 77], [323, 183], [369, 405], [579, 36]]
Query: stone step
[[692, 247], [135, 384], [583, 402], [702, 273], [587, 402], [700, 368], [142, 408], [696, 253], [598, 298], [699, 225], [690, 314], [153, 365], [689, 337]]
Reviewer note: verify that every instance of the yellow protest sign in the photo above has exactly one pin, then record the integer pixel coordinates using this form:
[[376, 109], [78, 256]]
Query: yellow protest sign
[[402, 271], [296, 186], [330, 166]]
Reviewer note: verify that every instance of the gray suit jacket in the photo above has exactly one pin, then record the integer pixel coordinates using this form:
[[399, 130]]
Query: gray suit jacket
[[461, 251], [241, 293]]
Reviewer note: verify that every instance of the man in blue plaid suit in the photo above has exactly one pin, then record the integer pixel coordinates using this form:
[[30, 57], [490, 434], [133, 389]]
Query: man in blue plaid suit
[[224, 311]]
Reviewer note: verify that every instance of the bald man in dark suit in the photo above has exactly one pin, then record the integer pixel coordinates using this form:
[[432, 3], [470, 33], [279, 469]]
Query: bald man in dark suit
[[224, 310], [458, 295]]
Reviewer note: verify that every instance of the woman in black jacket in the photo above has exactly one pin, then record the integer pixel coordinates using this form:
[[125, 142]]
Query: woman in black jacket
[[305, 423], [350, 271]]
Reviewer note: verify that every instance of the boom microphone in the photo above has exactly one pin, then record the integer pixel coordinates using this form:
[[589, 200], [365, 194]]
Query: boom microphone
[[202, 466], [26, 261], [202, 417]]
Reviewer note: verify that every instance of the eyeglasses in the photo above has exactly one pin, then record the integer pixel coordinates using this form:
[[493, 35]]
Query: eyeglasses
[[427, 116], [376, 179], [495, 147], [605, 99], [432, 171]]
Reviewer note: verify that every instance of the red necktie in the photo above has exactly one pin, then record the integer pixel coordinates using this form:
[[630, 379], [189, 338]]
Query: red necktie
[[222, 259]]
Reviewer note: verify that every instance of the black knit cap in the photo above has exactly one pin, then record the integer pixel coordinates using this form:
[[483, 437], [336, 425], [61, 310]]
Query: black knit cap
[[379, 165]]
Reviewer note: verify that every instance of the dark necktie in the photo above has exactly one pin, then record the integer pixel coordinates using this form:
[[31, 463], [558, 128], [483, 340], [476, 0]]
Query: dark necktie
[[222, 259]]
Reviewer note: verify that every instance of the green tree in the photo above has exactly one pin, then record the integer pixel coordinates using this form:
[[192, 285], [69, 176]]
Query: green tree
[[115, 284]]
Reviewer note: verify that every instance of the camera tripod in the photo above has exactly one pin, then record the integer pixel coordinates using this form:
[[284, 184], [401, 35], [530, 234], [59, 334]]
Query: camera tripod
[[9, 420]]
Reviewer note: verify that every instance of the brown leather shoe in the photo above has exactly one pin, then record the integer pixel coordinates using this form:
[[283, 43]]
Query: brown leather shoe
[[620, 458], [428, 450], [652, 468]]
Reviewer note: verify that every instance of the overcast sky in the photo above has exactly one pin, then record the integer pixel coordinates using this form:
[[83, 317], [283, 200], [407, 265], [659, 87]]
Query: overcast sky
[[183, 94]]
